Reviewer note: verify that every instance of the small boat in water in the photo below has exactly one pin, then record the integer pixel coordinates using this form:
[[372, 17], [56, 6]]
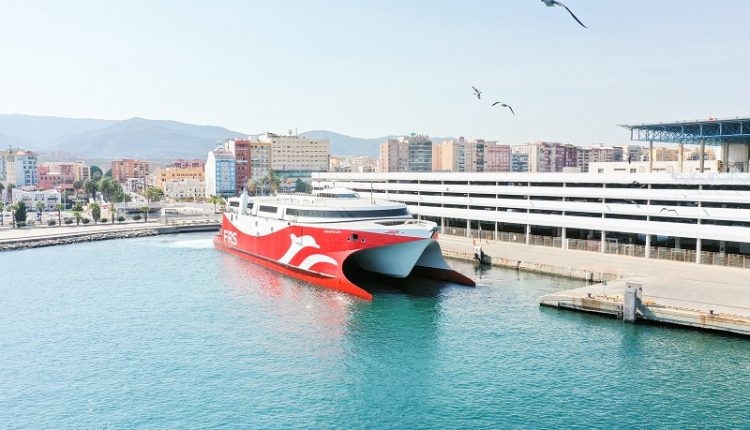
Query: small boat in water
[[319, 238]]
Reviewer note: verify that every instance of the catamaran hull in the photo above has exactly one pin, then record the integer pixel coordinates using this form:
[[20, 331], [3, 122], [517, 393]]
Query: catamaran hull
[[318, 255]]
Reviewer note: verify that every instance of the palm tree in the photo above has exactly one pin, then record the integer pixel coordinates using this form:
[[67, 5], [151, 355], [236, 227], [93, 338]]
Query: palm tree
[[112, 211], [77, 185], [96, 212], [275, 183], [39, 209], [77, 208], [59, 207], [152, 194], [2, 213]]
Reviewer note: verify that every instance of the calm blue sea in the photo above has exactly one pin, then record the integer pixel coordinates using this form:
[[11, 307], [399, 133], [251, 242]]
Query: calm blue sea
[[166, 332]]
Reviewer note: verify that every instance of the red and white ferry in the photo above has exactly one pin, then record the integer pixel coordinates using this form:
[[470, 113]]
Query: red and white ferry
[[320, 237]]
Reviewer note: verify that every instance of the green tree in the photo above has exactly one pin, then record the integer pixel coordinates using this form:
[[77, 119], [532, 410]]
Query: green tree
[[59, 207], [106, 187], [145, 210], [154, 194], [77, 209], [2, 187], [109, 173], [112, 211], [89, 185], [20, 213], [2, 213], [275, 182], [96, 212], [252, 187], [39, 209], [77, 185], [301, 186], [96, 172]]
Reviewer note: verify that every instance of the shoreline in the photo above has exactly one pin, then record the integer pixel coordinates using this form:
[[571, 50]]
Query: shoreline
[[102, 233]]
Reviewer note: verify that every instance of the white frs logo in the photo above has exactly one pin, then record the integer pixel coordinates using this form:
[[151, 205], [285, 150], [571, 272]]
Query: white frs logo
[[230, 237]]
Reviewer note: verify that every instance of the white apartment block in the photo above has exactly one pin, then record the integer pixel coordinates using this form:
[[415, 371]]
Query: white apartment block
[[295, 156], [50, 198]]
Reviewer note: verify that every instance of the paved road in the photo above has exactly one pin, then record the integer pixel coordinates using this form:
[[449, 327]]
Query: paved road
[[690, 285]]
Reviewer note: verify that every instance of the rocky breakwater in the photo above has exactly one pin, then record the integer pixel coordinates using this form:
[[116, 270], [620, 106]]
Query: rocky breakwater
[[37, 242]]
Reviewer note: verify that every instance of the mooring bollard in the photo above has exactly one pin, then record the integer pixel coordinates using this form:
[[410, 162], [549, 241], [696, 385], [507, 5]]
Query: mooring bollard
[[631, 301]]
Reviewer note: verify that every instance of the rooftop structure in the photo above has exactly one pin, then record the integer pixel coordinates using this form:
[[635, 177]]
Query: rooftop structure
[[732, 134]]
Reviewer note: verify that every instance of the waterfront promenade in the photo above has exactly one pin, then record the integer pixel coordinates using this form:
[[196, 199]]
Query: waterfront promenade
[[702, 294]]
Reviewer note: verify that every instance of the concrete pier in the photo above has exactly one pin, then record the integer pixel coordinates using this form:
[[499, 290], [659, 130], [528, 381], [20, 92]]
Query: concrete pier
[[702, 296]]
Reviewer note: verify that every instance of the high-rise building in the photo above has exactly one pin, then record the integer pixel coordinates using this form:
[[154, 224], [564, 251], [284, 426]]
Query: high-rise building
[[122, 170], [288, 157], [407, 154], [520, 158], [240, 149], [550, 156], [497, 158], [220, 173], [394, 156], [19, 168], [420, 153], [437, 157]]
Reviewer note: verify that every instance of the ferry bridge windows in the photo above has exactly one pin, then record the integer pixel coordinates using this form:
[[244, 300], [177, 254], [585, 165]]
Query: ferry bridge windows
[[315, 213], [675, 220], [267, 209]]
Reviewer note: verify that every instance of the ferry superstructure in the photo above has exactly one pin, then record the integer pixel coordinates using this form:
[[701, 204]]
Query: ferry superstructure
[[320, 238]]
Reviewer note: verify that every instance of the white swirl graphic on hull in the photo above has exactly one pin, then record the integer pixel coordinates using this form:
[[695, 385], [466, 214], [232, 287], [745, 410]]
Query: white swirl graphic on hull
[[300, 243]]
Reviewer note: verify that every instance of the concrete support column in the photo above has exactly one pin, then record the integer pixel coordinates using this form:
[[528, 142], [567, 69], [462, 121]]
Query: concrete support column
[[722, 247], [650, 156], [495, 231], [468, 227], [681, 158], [442, 225], [677, 243], [702, 155], [724, 157], [698, 249], [564, 238], [528, 234], [648, 246], [604, 242]]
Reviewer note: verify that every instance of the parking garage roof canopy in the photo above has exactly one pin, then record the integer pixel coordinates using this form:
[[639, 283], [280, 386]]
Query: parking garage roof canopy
[[712, 130]]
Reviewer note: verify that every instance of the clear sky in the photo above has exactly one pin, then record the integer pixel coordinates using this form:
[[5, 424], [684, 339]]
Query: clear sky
[[370, 68]]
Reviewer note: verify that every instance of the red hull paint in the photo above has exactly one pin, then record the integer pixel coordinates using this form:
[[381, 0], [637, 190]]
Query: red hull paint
[[315, 254], [326, 281]]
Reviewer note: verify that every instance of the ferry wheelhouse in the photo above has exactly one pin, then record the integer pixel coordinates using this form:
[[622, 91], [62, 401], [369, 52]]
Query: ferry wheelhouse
[[320, 238]]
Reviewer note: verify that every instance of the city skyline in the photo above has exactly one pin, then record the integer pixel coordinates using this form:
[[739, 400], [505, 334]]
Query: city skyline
[[400, 67]]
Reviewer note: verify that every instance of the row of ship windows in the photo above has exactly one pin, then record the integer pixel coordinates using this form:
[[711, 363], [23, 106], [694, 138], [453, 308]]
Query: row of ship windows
[[314, 213]]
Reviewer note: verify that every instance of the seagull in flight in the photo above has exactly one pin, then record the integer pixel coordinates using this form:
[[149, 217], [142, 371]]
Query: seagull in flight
[[551, 3], [477, 92], [668, 210], [504, 105]]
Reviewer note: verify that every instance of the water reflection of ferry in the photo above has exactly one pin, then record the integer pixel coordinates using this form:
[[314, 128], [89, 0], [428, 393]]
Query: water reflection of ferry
[[326, 237]]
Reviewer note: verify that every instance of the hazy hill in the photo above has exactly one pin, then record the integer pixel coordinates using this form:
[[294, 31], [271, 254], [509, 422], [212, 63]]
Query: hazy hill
[[43, 132], [147, 139], [58, 137]]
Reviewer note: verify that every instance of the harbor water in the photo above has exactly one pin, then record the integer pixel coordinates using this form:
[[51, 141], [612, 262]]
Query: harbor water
[[167, 332]]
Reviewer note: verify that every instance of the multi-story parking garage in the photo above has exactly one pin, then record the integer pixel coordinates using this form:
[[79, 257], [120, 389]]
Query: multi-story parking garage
[[691, 217]]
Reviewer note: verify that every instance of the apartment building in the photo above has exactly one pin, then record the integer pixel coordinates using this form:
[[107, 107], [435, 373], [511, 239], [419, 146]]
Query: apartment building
[[220, 173], [18, 168], [122, 170]]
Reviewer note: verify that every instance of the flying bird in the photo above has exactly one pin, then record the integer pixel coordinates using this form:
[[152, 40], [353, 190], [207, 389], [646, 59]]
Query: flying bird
[[668, 210], [551, 3], [504, 105], [635, 203], [477, 92]]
